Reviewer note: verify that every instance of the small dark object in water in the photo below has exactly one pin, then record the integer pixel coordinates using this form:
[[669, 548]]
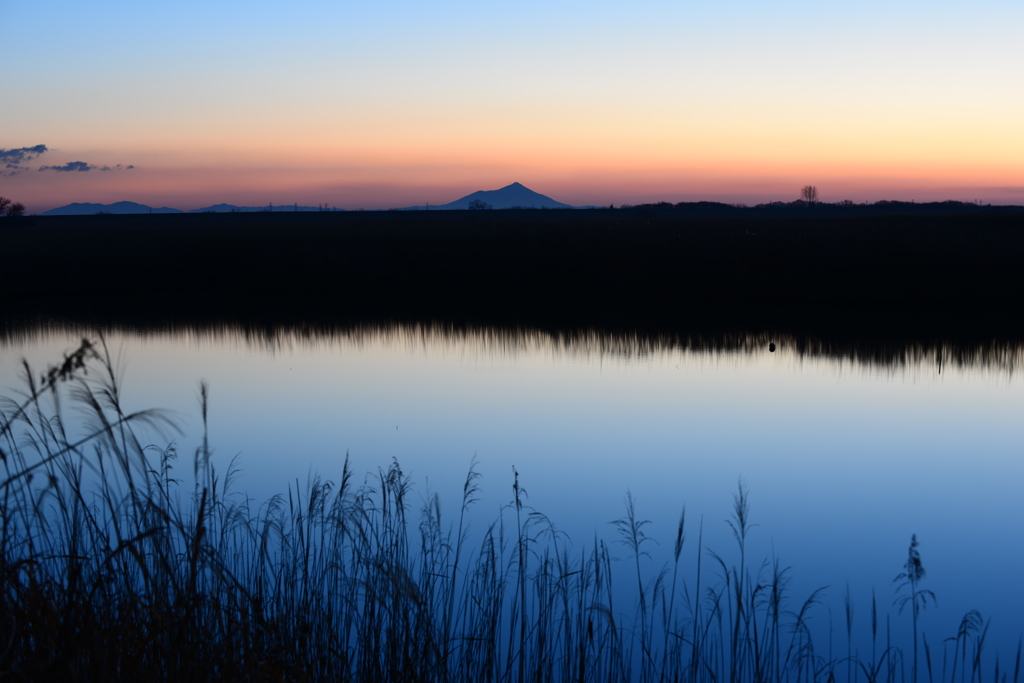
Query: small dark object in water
[[771, 347]]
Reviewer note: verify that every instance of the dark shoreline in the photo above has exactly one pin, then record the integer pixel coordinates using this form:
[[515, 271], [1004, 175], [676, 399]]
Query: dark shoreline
[[829, 273]]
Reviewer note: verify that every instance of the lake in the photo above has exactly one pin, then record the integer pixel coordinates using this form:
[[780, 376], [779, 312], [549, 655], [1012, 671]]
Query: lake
[[844, 456]]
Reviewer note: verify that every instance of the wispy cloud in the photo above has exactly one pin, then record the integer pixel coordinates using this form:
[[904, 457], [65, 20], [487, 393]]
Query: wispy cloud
[[12, 162], [81, 166], [70, 166], [21, 154], [12, 159]]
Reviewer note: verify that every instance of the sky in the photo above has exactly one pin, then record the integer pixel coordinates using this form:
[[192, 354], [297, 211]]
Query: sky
[[395, 103]]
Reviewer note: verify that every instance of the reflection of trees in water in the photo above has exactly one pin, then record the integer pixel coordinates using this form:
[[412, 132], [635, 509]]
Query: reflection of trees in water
[[999, 355]]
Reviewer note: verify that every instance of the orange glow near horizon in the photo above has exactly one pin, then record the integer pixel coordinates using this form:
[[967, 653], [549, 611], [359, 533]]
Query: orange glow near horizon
[[387, 188], [582, 152]]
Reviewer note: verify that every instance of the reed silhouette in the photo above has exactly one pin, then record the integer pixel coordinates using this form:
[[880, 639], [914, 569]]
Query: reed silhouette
[[113, 566], [914, 596]]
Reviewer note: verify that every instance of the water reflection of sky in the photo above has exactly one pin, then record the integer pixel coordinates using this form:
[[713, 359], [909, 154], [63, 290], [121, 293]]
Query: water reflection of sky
[[843, 461]]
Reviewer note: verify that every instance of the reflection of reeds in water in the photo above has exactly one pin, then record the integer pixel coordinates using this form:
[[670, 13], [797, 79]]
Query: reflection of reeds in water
[[931, 354], [112, 568]]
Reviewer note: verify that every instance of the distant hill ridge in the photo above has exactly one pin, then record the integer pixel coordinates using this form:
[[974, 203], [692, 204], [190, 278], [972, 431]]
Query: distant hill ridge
[[514, 196], [86, 209], [276, 208], [518, 196]]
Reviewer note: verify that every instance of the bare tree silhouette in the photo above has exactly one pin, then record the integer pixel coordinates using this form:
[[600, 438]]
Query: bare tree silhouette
[[809, 194], [11, 209]]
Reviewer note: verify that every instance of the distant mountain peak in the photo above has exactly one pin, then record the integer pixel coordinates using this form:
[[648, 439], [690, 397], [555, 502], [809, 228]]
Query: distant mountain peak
[[513, 196]]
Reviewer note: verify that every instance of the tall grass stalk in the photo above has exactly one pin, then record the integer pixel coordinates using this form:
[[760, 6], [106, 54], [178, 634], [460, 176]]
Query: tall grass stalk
[[917, 598]]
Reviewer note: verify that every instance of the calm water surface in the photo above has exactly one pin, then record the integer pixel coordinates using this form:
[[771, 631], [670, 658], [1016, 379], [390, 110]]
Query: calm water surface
[[843, 460]]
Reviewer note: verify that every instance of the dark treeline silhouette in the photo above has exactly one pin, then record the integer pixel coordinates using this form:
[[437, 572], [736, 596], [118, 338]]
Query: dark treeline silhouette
[[878, 279], [809, 199]]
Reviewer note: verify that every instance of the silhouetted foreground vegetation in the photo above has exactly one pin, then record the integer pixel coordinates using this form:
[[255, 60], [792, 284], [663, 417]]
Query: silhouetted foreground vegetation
[[899, 273], [10, 208], [113, 568]]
